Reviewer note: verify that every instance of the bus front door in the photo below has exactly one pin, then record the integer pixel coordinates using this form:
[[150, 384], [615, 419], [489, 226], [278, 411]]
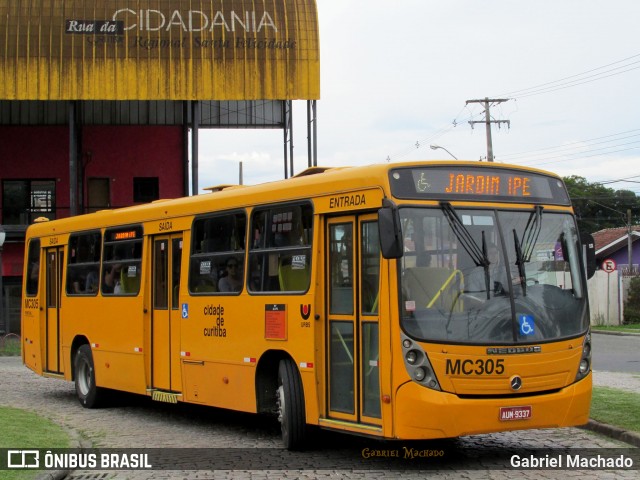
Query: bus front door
[[55, 261], [353, 283], [165, 319]]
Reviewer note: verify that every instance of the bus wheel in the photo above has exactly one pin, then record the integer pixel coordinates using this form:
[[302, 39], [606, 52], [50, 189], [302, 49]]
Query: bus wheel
[[86, 389], [290, 402]]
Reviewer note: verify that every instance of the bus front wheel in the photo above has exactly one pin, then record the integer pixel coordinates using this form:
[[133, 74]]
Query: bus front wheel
[[290, 402], [86, 390]]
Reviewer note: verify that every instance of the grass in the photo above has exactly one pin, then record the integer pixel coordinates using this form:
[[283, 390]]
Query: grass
[[630, 327], [616, 407], [22, 429], [9, 345]]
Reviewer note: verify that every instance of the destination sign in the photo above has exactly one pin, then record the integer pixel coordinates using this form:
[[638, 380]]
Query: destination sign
[[130, 233], [124, 235], [477, 183]]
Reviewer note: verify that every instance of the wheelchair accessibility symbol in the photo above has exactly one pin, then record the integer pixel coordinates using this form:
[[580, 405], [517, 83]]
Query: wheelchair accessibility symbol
[[527, 327]]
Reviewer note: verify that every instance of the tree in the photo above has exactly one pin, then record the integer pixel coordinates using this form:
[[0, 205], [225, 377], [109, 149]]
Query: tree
[[632, 305], [598, 207]]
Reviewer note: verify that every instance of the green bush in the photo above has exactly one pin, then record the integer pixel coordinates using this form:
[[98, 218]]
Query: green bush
[[632, 305]]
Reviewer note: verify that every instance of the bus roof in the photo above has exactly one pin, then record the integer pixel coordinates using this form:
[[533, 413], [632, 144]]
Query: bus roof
[[301, 186]]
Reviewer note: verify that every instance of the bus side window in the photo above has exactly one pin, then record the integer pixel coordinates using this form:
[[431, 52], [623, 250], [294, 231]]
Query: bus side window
[[83, 263], [33, 267], [280, 256], [122, 261], [217, 254]]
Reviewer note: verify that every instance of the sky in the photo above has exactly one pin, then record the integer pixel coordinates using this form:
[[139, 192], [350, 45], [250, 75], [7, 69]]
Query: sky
[[396, 76]]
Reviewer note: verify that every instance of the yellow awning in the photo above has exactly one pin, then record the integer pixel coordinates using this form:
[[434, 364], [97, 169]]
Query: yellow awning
[[159, 50]]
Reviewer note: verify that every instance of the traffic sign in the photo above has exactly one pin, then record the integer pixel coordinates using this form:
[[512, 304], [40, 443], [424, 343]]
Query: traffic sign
[[609, 265]]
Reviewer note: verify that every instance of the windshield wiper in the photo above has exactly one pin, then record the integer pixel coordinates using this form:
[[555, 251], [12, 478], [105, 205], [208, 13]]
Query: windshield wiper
[[531, 232], [530, 237], [520, 263], [477, 254]]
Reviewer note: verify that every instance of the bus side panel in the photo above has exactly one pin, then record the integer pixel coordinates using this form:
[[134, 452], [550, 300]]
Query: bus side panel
[[223, 338], [119, 371], [220, 384], [115, 332]]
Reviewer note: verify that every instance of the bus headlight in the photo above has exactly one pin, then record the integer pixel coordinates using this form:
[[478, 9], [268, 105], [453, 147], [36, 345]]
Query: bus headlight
[[417, 364], [411, 357], [584, 366], [585, 361]]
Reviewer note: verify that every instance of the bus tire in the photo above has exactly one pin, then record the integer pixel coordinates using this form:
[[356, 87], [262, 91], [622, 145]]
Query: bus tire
[[85, 378], [290, 403]]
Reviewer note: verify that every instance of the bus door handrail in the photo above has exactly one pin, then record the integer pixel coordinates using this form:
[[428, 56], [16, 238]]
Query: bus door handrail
[[344, 345]]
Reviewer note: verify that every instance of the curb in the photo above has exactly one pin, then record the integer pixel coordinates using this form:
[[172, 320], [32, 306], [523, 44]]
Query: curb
[[613, 432], [619, 334], [77, 442]]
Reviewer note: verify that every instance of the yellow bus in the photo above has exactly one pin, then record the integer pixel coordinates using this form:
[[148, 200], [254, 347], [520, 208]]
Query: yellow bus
[[400, 301]]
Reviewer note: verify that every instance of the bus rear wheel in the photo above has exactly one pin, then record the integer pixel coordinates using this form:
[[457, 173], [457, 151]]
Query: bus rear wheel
[[290, 403], [88, 393]]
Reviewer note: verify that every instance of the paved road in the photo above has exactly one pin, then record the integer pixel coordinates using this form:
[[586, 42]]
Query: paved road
[[616, 353], [137, 422]]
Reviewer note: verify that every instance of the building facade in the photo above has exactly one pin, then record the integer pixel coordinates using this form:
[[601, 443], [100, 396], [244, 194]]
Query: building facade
[[100, 104]]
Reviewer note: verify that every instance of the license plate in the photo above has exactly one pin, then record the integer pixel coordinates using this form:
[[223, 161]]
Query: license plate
[[515, 413]]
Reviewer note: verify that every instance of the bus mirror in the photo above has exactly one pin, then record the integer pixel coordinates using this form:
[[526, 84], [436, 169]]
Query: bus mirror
[[389, 229], [589, 253]]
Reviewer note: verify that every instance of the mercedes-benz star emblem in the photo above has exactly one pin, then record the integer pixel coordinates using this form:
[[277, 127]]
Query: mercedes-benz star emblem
[[516, 383]]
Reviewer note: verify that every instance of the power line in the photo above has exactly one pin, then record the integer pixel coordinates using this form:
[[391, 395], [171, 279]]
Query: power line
[[586, 156], [556, 85], [567, 145], [606, 182], [582, 154], [577, 82]]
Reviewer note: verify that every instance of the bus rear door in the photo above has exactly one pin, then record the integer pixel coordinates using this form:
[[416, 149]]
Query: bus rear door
[[52, 324], [166, 314]]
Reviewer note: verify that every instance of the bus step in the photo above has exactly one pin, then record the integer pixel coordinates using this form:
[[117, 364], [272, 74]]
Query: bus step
[[166, 397]]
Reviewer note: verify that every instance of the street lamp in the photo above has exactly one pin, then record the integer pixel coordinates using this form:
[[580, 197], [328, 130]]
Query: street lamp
[[435, 147], [3, 236]]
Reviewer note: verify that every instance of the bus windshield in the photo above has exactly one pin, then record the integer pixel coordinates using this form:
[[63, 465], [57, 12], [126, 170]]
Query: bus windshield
[[487, 276]]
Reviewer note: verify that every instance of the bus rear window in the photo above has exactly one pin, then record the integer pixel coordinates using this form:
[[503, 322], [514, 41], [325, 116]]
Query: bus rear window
[[33, 267]]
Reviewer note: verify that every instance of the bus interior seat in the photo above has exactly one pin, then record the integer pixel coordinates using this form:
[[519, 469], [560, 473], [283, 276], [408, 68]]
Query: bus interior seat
[[129, 283], [293, 279]]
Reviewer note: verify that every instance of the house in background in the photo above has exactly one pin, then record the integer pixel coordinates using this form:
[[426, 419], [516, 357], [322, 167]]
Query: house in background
[[613, 243]]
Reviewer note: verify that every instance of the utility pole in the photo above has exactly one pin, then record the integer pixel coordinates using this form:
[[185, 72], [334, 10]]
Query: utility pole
[[488, 102]]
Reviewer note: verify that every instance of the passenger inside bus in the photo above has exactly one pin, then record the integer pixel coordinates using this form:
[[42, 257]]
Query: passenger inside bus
[[232, 281], [111, 278]]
